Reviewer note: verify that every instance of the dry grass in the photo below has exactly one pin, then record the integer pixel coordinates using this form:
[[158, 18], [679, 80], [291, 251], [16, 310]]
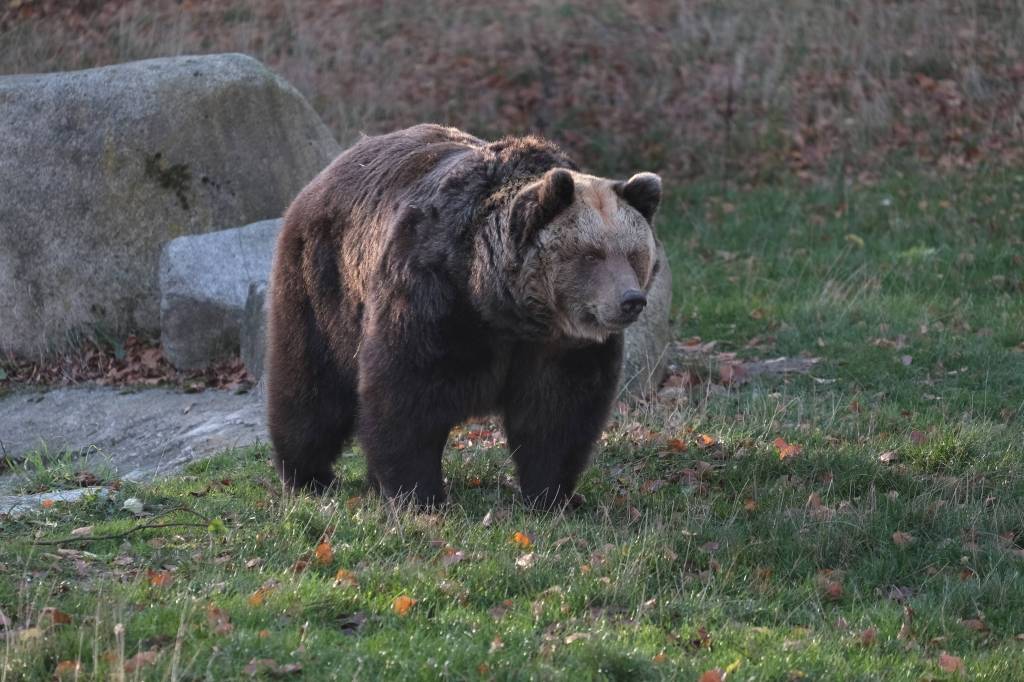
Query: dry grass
[[739, 90]]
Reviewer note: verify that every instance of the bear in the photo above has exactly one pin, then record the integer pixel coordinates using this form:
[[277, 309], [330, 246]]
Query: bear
[[426, 277]]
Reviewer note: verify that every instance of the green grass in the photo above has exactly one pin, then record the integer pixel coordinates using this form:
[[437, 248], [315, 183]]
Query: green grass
[[684, 558]]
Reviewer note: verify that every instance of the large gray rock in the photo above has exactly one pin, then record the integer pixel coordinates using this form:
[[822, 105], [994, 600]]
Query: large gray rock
[[254, 329], [98, 168], [646, 352], [204, 284]]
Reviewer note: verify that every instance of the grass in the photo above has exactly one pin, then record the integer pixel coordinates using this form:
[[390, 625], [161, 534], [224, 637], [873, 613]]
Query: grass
[[687, 556]]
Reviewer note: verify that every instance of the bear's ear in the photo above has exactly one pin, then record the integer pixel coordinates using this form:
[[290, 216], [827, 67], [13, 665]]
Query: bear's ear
[[539, 203], [642, 192]]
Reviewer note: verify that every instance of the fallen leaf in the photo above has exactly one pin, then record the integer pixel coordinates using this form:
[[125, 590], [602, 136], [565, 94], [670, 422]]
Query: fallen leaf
[[218, 620], [526, 560], [576, 636], [522, 539], [868, 636], [83, 532], [259, 596], [706, 441], [47, 504], [713, 675], [259, 666], [159, 578], [975, 624], [918, 437], [263, 634], [67, 668], [402, 604], [750, 504], [451, 556], [787, 450], [906, 360], [888, 457], [324, 554], [54, 616], [345, 578], [134, 505], [902, 539], [950, 663], [496, 644], [141, 660]]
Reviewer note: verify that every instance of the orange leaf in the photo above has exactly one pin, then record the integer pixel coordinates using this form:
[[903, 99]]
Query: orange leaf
[[344, 578], [402, 604], [677, 444], [787, 450], [950, 663], [47, 504], [522, 539], [706, 441], [264, 633], [750, 504], [67, 668], [159, 578], [474, 481], [714, 675], [260, 595], [324, 554], [55, 616]]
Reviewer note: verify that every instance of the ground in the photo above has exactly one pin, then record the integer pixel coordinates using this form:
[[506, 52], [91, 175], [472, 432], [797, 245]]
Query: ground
[[860, 521]]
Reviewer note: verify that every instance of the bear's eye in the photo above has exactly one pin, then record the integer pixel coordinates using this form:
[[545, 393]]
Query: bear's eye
[[593, 256]]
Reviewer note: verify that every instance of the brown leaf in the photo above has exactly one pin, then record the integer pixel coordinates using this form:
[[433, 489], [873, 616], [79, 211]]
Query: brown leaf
[[714, 675], [526, 560], [345, 579], [787, 450], [950, 663], [141, 660], [888, 457], [54, 616], [902, 539], [67, 669], [159, 578], [324, 554], [218, 620], [918, 437], [975, 624], [868, 636]]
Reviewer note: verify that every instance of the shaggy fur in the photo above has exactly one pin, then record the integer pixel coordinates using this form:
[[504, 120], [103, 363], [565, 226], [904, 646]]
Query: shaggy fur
[[427, 276]]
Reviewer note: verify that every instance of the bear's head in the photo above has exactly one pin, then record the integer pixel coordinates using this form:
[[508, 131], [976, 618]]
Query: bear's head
[[587, 249]]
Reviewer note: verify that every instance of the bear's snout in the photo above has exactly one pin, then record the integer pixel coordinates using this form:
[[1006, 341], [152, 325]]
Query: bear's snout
[[633, 302]]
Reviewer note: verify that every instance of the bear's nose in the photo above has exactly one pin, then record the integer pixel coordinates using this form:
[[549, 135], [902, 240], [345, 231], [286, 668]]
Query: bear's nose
[[633, 302]]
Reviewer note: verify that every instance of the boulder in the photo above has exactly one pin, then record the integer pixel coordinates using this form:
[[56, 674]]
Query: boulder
[[647, 339], [254, 329], [205, 282], [99, 168]]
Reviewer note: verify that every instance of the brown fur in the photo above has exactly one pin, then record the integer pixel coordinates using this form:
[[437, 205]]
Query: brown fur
[[427, 276]]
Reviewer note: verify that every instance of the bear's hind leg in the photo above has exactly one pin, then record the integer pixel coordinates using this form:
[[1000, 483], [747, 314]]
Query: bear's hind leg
[[555, 409], [311, 407]]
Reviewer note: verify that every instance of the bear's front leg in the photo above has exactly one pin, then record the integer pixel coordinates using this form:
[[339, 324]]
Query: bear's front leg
[[402, 430], [556, 405]]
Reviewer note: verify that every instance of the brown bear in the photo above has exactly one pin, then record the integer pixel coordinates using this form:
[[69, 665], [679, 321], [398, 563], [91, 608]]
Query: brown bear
[[426, 277]]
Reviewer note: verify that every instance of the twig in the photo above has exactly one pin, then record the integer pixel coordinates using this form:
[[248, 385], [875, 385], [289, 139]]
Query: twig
[[145, 526], [118, 536]]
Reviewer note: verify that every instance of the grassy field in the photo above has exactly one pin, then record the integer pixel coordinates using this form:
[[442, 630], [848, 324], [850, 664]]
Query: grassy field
[[881, 538]]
